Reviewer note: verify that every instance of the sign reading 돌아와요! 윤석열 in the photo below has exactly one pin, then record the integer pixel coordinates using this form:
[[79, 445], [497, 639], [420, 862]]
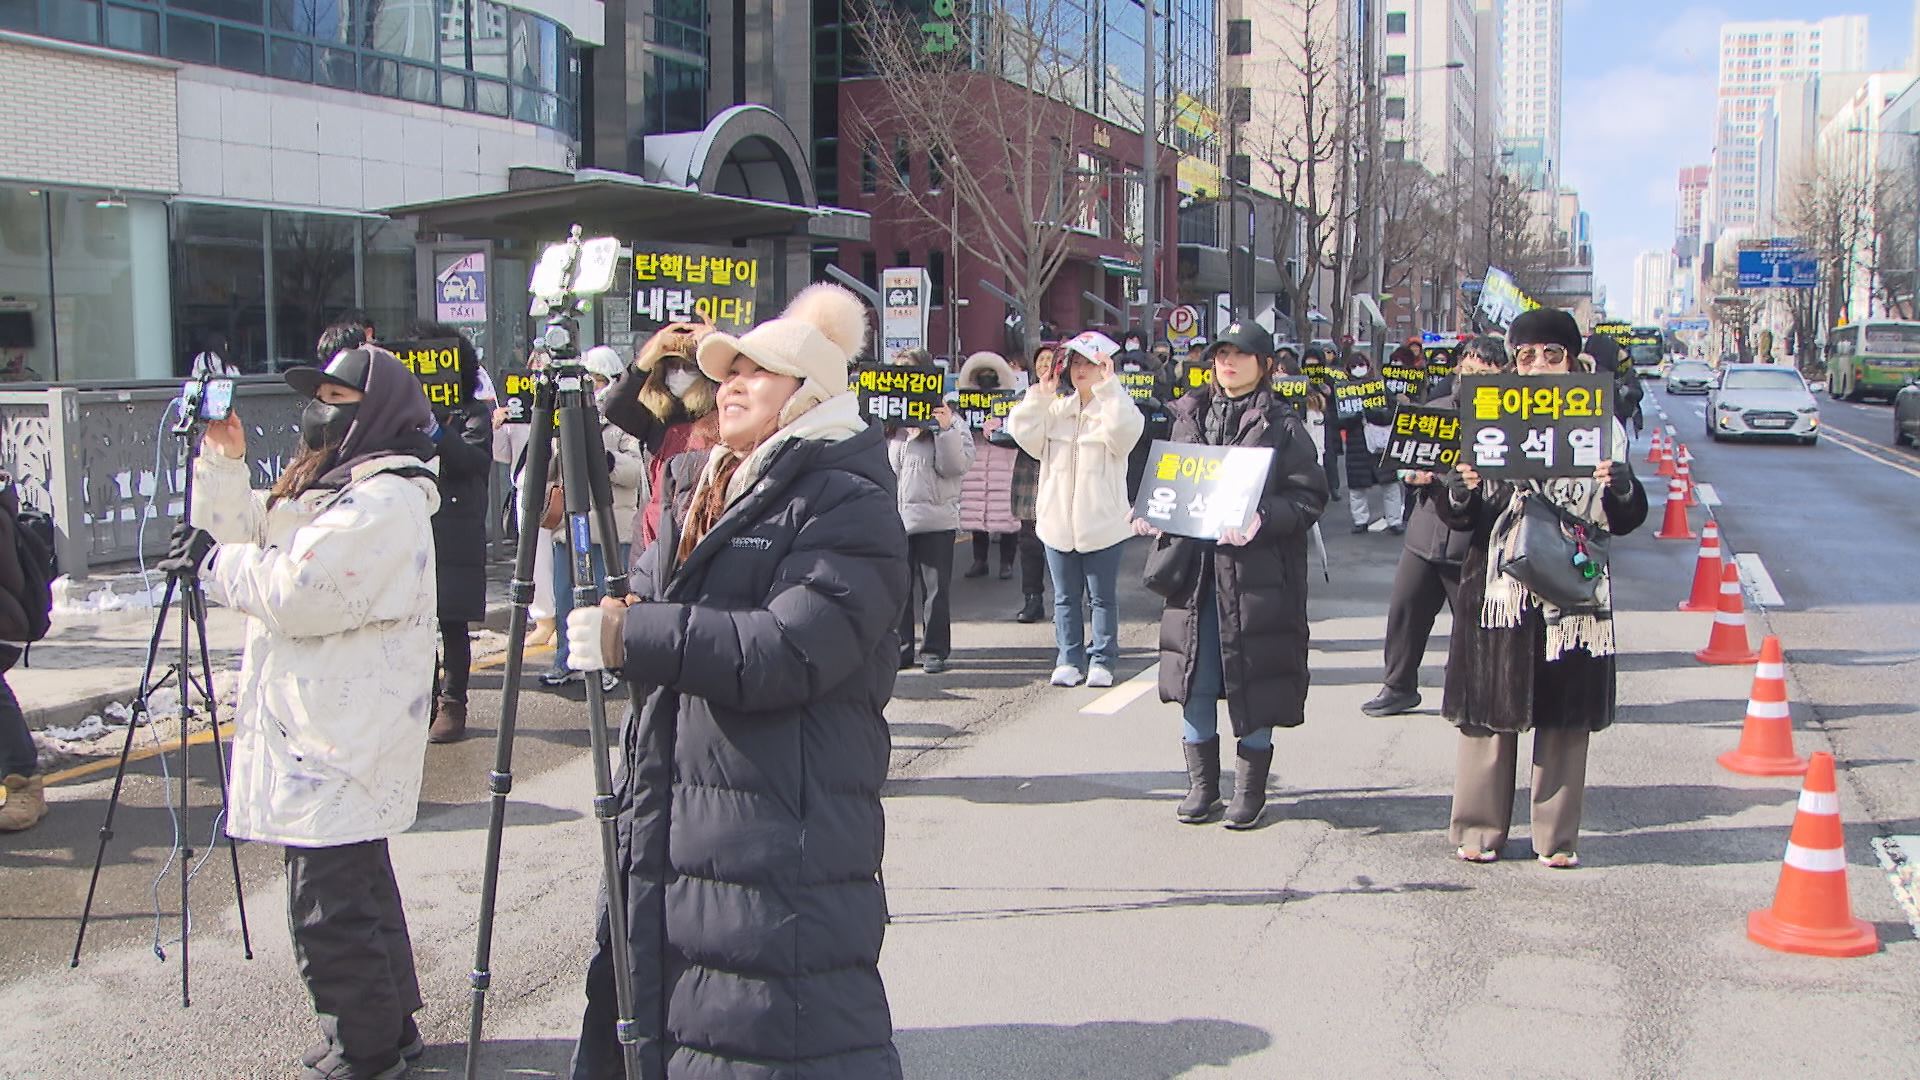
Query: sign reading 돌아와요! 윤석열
[[899, 393], [516, 396], [1195, 490], [1423, 438], [687, 283], [1530, 427], [435, 363]]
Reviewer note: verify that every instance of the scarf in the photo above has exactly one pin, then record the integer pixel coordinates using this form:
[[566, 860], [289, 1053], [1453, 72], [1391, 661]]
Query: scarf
[[730, 474], [1224, 414]]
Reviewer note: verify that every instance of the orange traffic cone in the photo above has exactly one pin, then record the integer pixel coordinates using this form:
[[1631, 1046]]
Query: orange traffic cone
[[1653, 449], [1669, 455], [1766, 742], [1706, 572], [1811, 911], [1728, 642], [1684, 473], [1674, 526]]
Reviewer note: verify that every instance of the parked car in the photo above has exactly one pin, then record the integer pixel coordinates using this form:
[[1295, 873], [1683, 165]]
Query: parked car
[[1762, 401], [1689, 377], [1906, 415]]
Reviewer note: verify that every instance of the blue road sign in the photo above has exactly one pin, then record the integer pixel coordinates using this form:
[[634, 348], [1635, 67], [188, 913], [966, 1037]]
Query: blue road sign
[[1778, 266], [1688, 326]]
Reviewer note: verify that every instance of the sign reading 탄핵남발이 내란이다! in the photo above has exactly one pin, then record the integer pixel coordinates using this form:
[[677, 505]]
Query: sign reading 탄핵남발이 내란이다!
[[899, 393], [684, 283], [1351, 397], [435, 363], [1195, 490], [1535, 427], [976, 407], [1423, 438]]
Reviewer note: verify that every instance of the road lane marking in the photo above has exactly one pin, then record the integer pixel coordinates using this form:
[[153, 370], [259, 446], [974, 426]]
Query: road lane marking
[[140, 753], [1117, 699], [1759, 582], [1705, 493], [1872, 452]]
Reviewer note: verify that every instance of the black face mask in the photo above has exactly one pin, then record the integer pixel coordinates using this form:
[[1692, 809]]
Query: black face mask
[[323, 424]]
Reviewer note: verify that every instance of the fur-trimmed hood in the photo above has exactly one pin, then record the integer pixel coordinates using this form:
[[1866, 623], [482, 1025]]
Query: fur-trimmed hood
[[986, 361]]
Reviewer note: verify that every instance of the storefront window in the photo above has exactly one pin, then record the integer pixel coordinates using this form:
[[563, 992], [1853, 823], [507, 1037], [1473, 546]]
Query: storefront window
[[387, 292], [26, 305], [220, 299], [312, 280], [110, 298]]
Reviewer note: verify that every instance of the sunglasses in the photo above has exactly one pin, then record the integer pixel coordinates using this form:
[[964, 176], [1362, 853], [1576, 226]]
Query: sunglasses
[[1540, 355]]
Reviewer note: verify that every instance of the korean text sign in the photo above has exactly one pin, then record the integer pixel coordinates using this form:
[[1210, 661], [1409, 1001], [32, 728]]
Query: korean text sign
[[977, 407], [1423, 438], [682, 283], [899, 393], [1401, 379], [1139, 384], [517, 396], [1196, 376], [435, 363], [1534, 427], [1351, 397], [1195, 490], [1291, 389]]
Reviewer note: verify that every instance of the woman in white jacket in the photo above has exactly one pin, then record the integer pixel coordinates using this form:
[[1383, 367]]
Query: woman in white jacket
[[335, 568], [1082, 441]]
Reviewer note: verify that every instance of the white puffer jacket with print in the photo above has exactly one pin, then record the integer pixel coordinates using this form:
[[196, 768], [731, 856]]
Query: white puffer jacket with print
[[1083, 463]]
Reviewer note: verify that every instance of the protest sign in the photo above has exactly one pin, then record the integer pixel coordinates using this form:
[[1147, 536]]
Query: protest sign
[[684, 282], [1291, 389], [1423, 438], [1139, 384], [516, 388], [1198, 374], [1351, 397], [899, 393], [977, 407], [1196, 490], [1534, 427], [1319, 373], [1402, 379], [435, 363]]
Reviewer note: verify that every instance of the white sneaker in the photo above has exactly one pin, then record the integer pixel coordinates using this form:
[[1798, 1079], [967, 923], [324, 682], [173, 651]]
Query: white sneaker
[[1379, 525], [1099, 676], [1067, 675]]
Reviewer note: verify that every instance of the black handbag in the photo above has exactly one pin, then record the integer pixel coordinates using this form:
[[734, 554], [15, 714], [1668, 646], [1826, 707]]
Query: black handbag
[[1557, 556], [1173, 565]]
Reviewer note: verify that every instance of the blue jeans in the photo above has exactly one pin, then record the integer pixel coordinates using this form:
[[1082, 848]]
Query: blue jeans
[[1075, 575], [1201, 714], [563, 593]]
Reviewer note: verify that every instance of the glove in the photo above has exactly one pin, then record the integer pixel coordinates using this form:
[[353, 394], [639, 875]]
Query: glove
[[188, 552], [1237, 538], [593, 636]]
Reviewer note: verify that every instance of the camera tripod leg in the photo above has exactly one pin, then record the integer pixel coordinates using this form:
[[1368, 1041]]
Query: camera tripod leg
[[185, 713], [197, 601]]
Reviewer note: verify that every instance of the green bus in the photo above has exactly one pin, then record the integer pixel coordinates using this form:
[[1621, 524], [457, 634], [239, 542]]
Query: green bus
[[1873, 357]]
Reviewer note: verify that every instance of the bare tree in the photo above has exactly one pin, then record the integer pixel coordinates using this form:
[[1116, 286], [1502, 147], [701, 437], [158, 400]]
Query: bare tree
[[1828, 210], [996, 109], [1894, 260]]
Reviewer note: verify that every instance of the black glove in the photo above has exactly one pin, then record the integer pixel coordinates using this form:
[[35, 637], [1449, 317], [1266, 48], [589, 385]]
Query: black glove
[[187, 552]]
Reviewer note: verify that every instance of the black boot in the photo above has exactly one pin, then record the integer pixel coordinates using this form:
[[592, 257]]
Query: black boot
[[978, 568], [1203, 781], [1249, 786], [1032, 612]]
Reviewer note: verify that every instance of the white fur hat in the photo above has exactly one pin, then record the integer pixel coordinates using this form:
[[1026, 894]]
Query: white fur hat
[[601, 360], [814, 340]]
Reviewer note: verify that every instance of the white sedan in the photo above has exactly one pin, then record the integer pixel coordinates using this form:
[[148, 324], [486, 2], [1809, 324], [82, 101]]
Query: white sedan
[[1762, 401]]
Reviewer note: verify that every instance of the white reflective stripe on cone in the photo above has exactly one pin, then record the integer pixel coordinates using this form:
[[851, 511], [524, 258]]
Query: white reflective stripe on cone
[[1729, 588], [1770, 671], [1768, 710], [1825, 803], [1816, 860], [1734, 618]]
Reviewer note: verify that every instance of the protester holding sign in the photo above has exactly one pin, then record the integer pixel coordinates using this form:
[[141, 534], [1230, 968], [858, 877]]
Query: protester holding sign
[[932, 464], [1082, 441], [1429, 570], [1518, 661], [1138, 369], [986, 495], [1235, 624], [1313, 365], [1365, 411]]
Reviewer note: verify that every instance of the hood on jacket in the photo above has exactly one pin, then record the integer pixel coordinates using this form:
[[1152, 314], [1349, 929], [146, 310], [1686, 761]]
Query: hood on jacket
[[985, 361]]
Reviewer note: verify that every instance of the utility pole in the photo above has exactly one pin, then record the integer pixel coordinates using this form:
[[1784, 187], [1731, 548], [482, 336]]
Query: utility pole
[[1149, 179]]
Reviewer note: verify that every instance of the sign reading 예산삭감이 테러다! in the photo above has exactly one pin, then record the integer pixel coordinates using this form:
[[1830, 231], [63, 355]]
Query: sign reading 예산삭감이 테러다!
[[1423, 438], [899, 393], [1401, 379], [1196, 490], [435, 363], [1530, 427]]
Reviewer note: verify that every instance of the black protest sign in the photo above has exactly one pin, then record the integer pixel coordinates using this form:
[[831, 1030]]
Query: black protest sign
[[1319, 373], [435, 363], [899, 393], [1140, 384], [1440, 362], [516, 388], [684, 282], [1195, 490], [1423, 438], [1536, 426], [1291, 389], [1198, 374], [1403, 379], [1351, 397], [977, 407]]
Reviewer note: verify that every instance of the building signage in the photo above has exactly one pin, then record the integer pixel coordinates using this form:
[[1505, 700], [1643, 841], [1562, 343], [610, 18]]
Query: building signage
[[903, 311], [1183, 325], [460, 291]]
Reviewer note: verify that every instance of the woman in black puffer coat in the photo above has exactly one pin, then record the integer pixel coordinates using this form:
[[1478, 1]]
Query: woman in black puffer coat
[[761, 647]]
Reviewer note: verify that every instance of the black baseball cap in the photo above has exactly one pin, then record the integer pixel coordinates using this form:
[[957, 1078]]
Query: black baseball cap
[[349, 368], [1248, 337]]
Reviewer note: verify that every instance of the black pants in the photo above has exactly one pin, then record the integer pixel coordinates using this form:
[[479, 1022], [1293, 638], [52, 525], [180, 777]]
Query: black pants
[[983, 543], [18, 755], [930, 564], [456, 661], [1033, 561], [350, 942], [1331, 464], [1419, 588]]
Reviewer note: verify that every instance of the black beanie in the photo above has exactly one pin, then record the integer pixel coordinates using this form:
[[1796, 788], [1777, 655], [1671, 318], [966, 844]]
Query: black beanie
[[1605, 352], [1545, 326]]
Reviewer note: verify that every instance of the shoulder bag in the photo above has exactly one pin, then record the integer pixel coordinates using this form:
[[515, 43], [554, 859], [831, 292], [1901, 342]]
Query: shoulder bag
[[1557, 556], [1173, 565]]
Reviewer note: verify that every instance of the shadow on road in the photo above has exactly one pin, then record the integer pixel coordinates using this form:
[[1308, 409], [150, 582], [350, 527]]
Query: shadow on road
[[1139, 899], [1104, 1050]]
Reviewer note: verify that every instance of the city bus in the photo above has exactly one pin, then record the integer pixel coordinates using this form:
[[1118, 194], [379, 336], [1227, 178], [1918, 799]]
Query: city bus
[[1873, 357], [1646, 349]]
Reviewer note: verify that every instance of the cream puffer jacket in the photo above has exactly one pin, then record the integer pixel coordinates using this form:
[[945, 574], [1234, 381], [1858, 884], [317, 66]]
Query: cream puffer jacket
[[331, 728], [1083, 463]]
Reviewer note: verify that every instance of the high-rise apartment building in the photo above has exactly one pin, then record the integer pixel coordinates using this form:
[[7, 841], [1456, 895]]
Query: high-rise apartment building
[[1652, 287], [1754, 58], [1430, 82], [1489, 80], [1690, 212], [1531, 47]]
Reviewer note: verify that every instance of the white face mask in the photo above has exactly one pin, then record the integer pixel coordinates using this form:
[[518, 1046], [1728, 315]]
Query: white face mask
[[1359, 373], [679, 381]]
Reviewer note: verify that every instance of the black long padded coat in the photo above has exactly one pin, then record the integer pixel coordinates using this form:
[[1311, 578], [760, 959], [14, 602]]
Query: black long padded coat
[[1261, 587], [1500, 679], [750, 826], [460, 525]]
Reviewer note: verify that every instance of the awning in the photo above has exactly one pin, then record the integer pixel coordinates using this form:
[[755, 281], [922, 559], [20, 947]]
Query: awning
[[1119, 267], [624, 205]]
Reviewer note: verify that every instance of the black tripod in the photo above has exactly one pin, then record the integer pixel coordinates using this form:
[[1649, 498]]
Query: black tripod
[[563, 391], [192, 613]]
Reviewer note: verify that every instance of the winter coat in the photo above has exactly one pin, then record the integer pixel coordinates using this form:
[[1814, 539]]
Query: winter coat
[[1363, 465], [660, 441], [931, 466], [460, 525], [1026, 487], [1082, 503], [1260, 587], [1429, 536], [1500, 679], [13, 577], [332, 717], [986, 495], [627, 469], [750, 824]]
